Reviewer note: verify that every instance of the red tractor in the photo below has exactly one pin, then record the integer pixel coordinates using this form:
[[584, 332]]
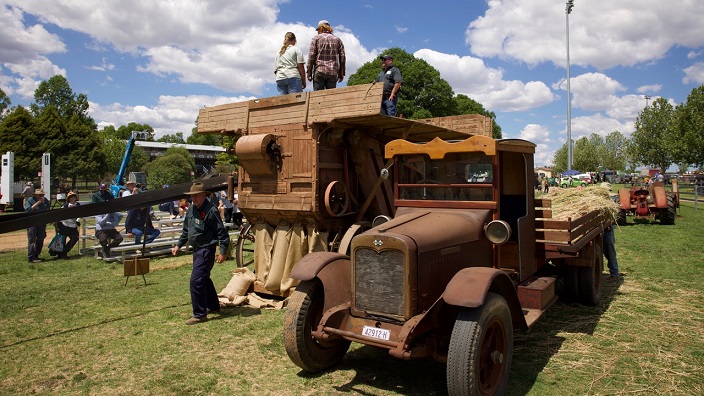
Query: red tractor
[[652, 202]]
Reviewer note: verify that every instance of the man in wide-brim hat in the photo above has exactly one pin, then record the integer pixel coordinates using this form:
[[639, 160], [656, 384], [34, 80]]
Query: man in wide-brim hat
[[130, 187], [68, 227], [36, 234], [204, 231]]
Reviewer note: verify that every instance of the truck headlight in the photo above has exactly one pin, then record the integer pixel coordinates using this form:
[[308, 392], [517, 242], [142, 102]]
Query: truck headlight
[[497, 231]]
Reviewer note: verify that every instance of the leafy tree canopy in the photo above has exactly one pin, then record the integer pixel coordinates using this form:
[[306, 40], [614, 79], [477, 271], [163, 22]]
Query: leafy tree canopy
[[654, 129], [176, 138], [56, 92], [17, 134], [4, 103], [171, 168], [424, 94]]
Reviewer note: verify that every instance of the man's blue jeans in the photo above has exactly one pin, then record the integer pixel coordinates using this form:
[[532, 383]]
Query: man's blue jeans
[[152, 233], [610, 251], [203, 294], [388, 107], [289, 85], [324, 81]]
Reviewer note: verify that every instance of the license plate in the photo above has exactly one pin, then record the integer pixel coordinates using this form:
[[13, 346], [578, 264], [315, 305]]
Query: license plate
[[373, 332]]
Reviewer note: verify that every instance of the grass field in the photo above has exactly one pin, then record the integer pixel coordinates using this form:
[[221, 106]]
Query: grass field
[[72, 327]]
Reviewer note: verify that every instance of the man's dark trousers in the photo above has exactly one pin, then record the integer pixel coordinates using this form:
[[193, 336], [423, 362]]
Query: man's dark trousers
[[203, 294]]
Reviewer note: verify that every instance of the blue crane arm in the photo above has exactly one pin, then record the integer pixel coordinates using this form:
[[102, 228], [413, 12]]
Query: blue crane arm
[[118, 183]]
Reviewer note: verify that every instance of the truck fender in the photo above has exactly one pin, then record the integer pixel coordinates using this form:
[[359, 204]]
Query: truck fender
[[469, 287], [311, 264], [333, 270]]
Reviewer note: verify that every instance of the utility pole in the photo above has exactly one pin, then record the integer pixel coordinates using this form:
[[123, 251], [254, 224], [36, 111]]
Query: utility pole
[[647, 98], [568, 10]]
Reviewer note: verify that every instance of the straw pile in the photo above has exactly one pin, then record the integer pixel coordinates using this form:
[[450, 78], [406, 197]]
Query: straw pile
[[576, 202]]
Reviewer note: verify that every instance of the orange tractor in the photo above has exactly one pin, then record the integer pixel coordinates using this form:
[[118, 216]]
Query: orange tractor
[[648, 202]]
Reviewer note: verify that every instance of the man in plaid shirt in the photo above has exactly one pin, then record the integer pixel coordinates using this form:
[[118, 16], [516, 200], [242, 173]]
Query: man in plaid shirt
[[326, 58]]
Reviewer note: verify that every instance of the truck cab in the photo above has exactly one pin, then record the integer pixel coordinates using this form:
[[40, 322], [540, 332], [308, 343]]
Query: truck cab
[[441, 278]]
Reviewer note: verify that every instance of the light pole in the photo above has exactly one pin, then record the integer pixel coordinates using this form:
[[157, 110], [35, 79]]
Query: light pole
[[568, 10], [647, 98]]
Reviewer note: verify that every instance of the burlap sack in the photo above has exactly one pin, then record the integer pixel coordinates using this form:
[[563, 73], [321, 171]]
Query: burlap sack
[[242, 278]]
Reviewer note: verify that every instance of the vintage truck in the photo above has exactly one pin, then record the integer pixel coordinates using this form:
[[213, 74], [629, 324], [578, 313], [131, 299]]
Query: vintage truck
[[309, 171], [458, 267]]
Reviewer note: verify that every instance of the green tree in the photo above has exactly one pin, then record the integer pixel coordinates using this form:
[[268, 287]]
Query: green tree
[[613, 154], [176, 138], [654, 129], [205, 139], [17, 134], [57, 92], [585, 155], [689, 147], [125, 132], [4, 103], [559, 161], [171, 168], [422, 86], [183, 152]]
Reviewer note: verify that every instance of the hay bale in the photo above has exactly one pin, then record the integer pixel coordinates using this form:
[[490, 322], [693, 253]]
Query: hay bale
[[576, 202]]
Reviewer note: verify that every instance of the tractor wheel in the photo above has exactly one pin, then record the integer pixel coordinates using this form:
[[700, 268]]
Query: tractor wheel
[[667, 217], [621, 217], [481, 349], [563, 185], [589, 281], [245, 244], [304, 311], [583, 184]]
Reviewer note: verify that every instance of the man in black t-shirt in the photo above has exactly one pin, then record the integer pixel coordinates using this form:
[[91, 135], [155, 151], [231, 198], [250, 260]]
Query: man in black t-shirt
[[391, 77]]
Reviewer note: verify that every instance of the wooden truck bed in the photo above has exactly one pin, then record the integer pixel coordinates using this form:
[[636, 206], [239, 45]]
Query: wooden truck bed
[[565, 238]]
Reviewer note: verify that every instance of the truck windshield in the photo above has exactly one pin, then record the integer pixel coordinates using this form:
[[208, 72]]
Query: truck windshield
[[457, 177]]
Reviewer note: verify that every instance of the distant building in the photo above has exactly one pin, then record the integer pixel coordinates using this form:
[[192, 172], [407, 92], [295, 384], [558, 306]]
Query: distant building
[[544, 172], [204, 156]]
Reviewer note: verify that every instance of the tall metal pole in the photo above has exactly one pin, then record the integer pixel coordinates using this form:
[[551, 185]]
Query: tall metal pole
[[568, 10], [647, 98]]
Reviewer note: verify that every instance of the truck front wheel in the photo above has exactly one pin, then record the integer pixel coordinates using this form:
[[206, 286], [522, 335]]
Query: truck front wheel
[[481, 349], [304, 311]]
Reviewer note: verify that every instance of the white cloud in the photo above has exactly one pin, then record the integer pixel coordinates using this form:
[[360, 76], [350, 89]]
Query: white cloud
[[603, 33], [649, 88], [694, 74], [487, 85], [400, 29], [171, 114]]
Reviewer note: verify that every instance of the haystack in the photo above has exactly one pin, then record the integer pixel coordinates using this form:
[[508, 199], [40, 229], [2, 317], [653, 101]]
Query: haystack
[[576, 202]]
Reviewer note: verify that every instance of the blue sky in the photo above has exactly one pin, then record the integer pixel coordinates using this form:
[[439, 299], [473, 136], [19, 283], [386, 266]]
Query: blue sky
[[158, 62]]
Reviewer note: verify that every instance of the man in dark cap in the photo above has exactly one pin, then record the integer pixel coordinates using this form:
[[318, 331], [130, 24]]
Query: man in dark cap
[[204, 231], [103, 194], [391, 77], [36, 234]]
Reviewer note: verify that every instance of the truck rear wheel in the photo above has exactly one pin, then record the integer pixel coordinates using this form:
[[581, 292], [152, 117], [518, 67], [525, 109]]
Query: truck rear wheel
[[481, 349], [304, 311], [589, 278]]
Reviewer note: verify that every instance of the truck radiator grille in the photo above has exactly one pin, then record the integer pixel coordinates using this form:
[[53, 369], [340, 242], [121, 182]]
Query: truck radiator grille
[[379, 281]]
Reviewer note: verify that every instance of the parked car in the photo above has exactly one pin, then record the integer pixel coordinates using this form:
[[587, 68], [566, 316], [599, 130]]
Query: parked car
[[576, 182]]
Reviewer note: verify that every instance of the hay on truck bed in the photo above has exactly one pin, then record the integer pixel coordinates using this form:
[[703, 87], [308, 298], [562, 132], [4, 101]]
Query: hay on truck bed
[[572, 203]]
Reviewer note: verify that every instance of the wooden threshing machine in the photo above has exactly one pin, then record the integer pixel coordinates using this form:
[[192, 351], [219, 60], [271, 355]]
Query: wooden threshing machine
[[309, 177]]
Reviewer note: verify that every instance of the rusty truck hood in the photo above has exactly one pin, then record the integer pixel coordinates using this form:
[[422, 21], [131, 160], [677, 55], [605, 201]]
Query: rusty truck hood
[[436, 228]]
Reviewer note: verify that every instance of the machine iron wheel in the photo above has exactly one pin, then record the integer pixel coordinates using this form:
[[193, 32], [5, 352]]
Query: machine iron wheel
[[481, 349], [245, 244], [304, 311], [337, 198]]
